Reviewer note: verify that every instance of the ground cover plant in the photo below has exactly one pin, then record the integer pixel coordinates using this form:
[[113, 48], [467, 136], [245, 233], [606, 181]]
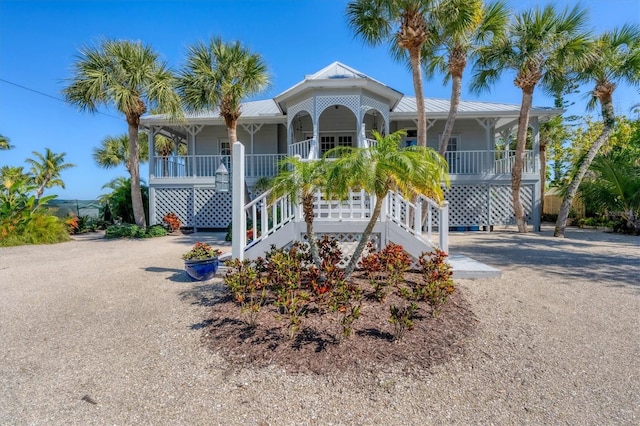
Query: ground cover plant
[[283, 310]]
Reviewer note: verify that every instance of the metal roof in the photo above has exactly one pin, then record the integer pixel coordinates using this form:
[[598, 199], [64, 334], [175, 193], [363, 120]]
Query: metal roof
[[269, 110]]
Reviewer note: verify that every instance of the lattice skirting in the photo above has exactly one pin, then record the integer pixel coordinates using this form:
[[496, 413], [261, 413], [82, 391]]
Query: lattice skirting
[[347, 242], [196, 207], [477, 205]]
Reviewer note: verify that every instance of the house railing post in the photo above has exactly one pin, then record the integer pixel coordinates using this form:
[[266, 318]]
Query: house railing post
[[239, 222], [443, 228], [417, 217]]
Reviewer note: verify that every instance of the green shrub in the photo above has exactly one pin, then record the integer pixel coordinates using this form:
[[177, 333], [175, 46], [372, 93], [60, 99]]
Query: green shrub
[[127, 230]]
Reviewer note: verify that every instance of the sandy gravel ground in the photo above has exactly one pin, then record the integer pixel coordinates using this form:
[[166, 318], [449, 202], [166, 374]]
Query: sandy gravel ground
[[117, 322]]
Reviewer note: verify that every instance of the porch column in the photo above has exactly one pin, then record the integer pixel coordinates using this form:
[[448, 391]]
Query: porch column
[[192, 131], [536, 197], [239, 223], [488, 124], [152, 164], [314, 153], [152, 158], [362, 137], [252, 129]]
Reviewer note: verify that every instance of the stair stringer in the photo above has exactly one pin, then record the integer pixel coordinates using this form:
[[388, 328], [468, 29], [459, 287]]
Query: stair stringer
[[279, 238]]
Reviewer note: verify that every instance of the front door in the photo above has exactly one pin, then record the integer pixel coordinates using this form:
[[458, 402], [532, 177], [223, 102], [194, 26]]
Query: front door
[[328, 142]]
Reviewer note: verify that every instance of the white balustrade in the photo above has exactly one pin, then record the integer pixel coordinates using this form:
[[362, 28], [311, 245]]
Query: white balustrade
[[302, 148], [265, 218]]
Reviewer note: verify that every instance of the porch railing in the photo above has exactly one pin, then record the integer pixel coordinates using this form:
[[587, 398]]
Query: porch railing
[[486, 162], [188, 166], [259, 165], [301, 148]]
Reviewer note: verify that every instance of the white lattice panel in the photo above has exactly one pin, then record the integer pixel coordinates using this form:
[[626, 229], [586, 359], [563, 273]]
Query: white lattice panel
[[306, 105], [176, 200], [211, 209], [347, 242], [467, 205], [351, 101], [471, 205], [368, 103], [502, 204]]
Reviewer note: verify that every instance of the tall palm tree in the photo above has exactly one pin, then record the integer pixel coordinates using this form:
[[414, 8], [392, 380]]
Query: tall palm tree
[[382, 168], [221, 75], [405, 24], [615, 58], [46, 169], [539, 46], [129, 76], [299, 179], [4, 143], [464, 26]]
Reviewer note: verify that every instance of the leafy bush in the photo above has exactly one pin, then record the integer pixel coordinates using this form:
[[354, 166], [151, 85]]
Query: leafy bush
[[127, 230], [24, 219], [287, 282], [172, 221]]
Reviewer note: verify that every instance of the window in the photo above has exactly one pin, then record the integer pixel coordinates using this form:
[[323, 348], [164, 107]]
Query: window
[[412, 138], [225, 148]]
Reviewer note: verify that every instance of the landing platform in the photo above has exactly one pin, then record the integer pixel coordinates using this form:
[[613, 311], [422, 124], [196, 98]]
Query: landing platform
[[466, 267]]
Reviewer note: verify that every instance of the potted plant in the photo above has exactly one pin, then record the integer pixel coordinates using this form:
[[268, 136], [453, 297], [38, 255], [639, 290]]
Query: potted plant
[[201, 262]]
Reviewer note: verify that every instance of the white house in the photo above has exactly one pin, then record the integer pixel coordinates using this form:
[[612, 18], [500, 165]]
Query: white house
[[340, 106]]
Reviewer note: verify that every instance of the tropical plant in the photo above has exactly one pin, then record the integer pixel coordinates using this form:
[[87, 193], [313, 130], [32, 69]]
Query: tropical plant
[[614, 58], [4, 143], [24, 219], [615, 188], [46, 169], [299, 179], [10, 174], [119, 201], [405, 25], [201, 251], [129, 76], [382, 168], [539, 47], [464, 26], [220, 75]]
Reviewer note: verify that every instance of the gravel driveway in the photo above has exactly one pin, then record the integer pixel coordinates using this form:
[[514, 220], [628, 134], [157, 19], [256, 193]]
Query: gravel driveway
[[108, 332]]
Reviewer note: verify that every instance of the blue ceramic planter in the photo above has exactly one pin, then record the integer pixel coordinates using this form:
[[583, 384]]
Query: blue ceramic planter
[[201, 270]]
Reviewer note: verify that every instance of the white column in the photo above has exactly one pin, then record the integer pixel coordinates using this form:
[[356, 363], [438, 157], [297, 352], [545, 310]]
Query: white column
[[239, 223], [443, 227], [152, 166], [152, 159]]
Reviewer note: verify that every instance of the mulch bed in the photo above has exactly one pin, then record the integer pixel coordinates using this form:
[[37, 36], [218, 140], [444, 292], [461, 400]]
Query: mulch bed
[[317, 349]]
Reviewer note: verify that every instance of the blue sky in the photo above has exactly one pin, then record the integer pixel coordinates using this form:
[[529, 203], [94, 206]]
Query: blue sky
[[39, 40]]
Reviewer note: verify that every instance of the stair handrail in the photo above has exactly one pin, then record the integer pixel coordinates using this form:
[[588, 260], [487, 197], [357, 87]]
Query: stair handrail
[[281, 211]]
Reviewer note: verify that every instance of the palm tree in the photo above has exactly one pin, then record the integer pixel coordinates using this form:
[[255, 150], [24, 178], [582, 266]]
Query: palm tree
[[129, 76], [114, 151], [299, 179], [405, 25], [46, 169], [164, 147], [382, 168], [220, 75], [539, 46], [4, 143], [464, 27], [615, 57]]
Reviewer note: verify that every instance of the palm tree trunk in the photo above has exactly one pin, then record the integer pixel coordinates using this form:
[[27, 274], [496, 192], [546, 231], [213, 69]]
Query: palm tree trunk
[[416, 73], [518, 164], [134, 158], [456, 87], [351, 266], [608, 118], [307, 205]]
